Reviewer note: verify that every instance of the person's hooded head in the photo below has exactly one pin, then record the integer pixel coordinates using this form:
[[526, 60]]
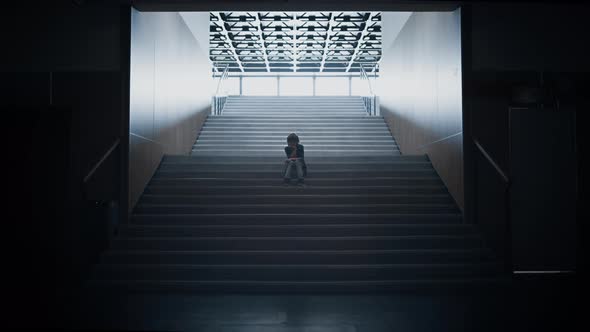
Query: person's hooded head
[[292, 139]]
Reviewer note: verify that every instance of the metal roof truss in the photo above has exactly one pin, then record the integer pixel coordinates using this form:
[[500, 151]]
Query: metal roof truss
[[295, 41]]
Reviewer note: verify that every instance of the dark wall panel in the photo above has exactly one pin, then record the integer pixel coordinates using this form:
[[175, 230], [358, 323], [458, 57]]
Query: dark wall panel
[[61, 35], [518, 55], [529, 36], [543, 192], [62, 90]]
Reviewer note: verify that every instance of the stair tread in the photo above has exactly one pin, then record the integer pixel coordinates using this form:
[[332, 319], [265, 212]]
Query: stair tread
[[314, 238], [301, 266]]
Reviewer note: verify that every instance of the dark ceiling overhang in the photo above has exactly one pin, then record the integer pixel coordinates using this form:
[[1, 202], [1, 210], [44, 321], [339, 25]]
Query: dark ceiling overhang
[[294, 5]]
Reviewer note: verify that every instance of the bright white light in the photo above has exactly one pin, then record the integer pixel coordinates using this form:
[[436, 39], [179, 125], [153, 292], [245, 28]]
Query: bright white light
[[331, 86], [361, 87], [296, 86], [259, 86], [231, 86]]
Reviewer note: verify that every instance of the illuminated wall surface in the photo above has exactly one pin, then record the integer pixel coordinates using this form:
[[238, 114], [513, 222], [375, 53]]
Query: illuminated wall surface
[[420, 89], [171, 87]]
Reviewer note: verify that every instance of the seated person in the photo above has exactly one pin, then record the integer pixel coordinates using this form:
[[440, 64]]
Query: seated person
[[295, 160]]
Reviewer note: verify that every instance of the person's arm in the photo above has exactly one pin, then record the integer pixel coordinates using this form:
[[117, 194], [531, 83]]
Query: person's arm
[[301, 153], [290, 152]]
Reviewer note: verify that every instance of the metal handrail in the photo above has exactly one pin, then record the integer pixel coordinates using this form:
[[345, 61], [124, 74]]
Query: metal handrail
[[104, 157], [439, 140], [507, 201], [285, 74], [222, 78], [483, 151], [364, 75]]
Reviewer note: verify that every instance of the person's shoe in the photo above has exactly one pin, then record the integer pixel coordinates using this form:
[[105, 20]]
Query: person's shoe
[[301, 184], [286, 182]]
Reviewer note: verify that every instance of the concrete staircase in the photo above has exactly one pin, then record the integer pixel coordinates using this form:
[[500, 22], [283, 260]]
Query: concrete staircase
[[327, 126], [369, 219]]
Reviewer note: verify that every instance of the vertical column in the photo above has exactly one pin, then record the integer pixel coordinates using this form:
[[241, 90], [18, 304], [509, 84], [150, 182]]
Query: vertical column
[[241, 79], [350, 85], [469, 150], [313, 84], [125, 56], [278, 85]]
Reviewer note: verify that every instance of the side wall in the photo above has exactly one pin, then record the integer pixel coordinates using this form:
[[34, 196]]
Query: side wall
[[63, 90], [170, 90], [420, 91], [536, 45]]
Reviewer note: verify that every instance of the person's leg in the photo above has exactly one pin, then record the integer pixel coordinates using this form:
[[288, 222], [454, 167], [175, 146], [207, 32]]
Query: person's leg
[[299, 167], [288, 171], [285, 169]]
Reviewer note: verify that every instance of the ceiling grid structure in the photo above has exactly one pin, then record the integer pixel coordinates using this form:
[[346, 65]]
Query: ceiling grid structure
[[301, 42]]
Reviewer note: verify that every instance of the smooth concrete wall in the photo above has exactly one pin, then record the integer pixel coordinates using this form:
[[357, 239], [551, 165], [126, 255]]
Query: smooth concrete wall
[[420, 90], [171, 88]]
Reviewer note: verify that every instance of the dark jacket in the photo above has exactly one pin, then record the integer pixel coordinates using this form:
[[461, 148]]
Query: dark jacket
[[300, 154], [300, 151]]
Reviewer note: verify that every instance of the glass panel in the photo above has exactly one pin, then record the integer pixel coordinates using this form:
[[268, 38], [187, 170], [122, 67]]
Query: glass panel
[[361, 87], [331, 86], [296, 86], [231, 86], [259, 86]]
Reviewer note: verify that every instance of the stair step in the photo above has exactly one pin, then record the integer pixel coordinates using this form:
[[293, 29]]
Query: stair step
[[308, 147], [307, 134], [262, 159], [295, 106], [289, 218], [282, 139], [295, 102], [360, 229], [215, 179], [311, 122], [303, 131], [279, 166], [299, 243], [298, 126], [308, 154], [286, 116], [281, 190], [193, 161], [259, 120], [418, 256], [292, 272], [298, 104], [316, 174], [316, 208], [278, 113], [282, 108], [454, 286], [308, 142], [296, 198]]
